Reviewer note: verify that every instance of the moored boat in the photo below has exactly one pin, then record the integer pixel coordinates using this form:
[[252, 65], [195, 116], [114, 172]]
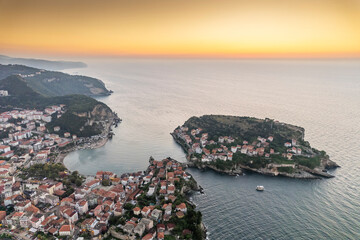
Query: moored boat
[[260, 188]]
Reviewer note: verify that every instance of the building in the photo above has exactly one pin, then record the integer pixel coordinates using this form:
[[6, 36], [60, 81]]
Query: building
[[66, 230]]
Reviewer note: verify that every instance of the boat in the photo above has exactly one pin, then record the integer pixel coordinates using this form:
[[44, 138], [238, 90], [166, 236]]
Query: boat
[[201, 190], [260, 188]]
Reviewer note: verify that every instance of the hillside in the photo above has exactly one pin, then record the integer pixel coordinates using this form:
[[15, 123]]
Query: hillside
[[40, 63], [248, 128], [229, 144], [52, 83], [84, 115], [17, 86]]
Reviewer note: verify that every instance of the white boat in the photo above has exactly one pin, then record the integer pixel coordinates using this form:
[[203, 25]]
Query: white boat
[[260, 188]]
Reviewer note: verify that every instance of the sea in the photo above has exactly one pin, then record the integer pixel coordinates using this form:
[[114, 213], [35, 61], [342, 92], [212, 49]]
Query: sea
[[154, 96]]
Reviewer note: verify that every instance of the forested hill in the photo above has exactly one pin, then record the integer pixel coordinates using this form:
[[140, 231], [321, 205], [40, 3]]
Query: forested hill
[[82, 112], [17, 86], [51, 83], [245, 127]]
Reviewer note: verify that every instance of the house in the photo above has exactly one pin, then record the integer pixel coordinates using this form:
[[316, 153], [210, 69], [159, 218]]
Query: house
[[66, 230], [151, 190], [181, 207], [156, 214], [97, 210], [234, 149], [167, 208], [58, 186], [7, 154], [136, 210], [149, 224], [180, 214], [148, 236], [49, 188], [129, 227], [160, 236], [89, 223], [82, 206], [21, 206], [244, 149], [36, 220], [71, 215], [170, 226], [140, 229], [92, 184], [4, 148], [145, 211], [287, 144], [171, 189]]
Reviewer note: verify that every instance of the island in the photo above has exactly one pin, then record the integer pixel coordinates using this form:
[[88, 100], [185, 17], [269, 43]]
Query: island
[[231, 145]]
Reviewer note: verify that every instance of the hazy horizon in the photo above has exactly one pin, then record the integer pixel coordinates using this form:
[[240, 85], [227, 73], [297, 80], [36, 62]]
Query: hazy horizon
[[230, 28]]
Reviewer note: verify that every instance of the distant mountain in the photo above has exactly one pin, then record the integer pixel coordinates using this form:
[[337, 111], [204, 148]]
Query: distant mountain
[[51, 83], [40, 63]]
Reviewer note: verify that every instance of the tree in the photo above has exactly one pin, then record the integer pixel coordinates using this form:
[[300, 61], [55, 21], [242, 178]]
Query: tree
[[105, 182], [78, 182]]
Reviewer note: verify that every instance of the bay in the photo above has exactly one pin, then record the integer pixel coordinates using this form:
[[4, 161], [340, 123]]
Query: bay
[[153, 96]]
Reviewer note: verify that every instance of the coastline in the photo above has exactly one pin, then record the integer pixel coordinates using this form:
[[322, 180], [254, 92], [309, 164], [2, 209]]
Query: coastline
[[104, 138], [102, 141], [305, 172]]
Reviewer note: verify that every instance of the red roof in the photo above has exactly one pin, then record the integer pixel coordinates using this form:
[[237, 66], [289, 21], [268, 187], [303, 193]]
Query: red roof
[[147, 236], [65, 228]]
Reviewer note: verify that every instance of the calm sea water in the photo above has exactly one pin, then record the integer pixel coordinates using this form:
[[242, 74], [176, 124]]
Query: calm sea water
[[155, 96]]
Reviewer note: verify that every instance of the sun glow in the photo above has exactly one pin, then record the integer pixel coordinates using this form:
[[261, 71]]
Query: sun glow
[[228, 28]]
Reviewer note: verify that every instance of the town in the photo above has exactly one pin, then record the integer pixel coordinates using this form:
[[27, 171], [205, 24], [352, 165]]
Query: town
[[142, 205], [278, 154], [200, 145], [41, 198]]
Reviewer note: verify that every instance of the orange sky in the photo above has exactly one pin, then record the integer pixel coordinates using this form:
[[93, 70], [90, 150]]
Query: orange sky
[[225, 28]]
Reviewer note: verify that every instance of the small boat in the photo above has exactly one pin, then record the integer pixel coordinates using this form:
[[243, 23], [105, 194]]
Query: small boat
[[201, 190], [260, 188]]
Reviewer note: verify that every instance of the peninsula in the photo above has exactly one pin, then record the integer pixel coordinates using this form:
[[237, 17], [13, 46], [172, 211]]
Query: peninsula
[[67, 123], [52, 83], [231, 144]]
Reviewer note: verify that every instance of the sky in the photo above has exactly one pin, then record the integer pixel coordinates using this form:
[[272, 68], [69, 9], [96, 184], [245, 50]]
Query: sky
[[201, 28]]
